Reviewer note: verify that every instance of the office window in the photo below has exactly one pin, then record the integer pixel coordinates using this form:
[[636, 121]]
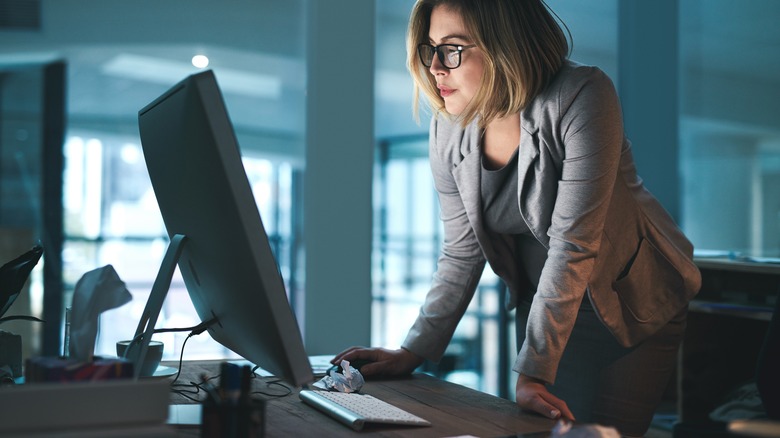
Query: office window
[[407, 237], [730, 132]]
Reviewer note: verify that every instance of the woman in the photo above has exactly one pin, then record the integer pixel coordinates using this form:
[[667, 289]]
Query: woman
[[535, 176]]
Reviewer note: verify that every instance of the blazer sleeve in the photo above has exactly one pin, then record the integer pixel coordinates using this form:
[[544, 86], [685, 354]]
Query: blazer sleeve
[[585, 119], [459, 266]]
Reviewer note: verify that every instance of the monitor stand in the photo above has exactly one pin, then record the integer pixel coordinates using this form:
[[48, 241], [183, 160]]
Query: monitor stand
[[136, 351]]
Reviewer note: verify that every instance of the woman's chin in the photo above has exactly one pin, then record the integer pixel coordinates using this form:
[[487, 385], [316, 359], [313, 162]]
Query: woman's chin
[[453, 110]]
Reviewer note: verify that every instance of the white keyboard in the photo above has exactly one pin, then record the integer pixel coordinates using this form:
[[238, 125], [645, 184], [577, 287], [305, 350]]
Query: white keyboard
[[355, 410]]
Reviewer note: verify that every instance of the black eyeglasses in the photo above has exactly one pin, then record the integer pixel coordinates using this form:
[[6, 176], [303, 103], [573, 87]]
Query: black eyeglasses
[[449, 54]]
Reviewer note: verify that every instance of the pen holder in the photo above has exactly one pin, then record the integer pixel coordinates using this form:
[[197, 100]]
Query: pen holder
[[240, 420]]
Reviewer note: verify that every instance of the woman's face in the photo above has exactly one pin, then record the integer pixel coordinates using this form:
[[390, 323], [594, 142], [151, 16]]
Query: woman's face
[[457, 86]]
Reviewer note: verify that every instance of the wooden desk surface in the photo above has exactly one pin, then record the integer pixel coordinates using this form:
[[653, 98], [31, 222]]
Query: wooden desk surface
[[452, 409]]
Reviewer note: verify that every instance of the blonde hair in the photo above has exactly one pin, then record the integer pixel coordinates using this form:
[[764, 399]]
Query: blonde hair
[[522, 44]]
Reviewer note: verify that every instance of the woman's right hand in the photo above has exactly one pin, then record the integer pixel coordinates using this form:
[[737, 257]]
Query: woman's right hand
[[383, 362], [531, 394]]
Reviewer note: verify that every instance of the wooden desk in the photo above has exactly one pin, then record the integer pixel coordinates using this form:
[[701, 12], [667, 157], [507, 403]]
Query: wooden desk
[[452, 409]]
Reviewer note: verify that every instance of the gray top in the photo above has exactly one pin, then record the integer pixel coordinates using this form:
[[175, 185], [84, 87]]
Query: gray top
[[499, 199], [501, 215]]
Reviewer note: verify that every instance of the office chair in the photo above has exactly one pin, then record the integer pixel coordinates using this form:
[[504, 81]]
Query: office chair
[[767, 381], [768, 367]]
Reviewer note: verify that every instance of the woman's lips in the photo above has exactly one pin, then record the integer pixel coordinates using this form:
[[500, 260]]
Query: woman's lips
[[445, 91]]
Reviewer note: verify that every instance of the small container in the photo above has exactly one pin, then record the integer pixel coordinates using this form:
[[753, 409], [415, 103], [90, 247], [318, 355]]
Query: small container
[[240, 420]]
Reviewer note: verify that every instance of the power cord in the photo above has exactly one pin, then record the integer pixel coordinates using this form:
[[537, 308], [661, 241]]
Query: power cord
[[191, 390], [184, 389], [194, 330]]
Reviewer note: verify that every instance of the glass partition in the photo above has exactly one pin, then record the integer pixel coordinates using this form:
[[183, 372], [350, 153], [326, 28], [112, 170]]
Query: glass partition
[[31, 132]]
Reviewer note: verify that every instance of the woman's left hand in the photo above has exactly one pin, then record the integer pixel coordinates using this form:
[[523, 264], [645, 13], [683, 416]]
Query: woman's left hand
[[532, 395]]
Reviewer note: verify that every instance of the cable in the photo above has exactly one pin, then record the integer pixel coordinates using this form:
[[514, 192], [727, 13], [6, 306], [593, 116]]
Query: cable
[[195, 330], [181, 358], [277, 382], [183, 389], [269, 383], [191, 390]]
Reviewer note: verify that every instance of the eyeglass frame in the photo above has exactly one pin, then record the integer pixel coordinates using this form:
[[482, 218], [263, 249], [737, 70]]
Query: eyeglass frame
[[459, 47]]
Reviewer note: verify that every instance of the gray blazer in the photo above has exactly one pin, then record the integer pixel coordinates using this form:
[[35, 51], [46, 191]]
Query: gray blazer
[[579, 193]]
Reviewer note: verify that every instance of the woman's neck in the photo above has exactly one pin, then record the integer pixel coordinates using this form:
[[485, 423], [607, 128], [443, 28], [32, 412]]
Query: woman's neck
[[500, 139]]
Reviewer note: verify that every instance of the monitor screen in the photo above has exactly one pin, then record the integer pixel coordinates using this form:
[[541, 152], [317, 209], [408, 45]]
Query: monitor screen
[[203, 192]]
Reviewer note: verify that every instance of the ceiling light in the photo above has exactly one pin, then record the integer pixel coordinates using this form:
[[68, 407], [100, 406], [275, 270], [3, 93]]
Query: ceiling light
[[200, 61]]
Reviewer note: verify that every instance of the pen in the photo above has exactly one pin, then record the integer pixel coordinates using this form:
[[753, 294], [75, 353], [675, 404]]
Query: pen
[[246, 383], [223, 372], [230, 382]]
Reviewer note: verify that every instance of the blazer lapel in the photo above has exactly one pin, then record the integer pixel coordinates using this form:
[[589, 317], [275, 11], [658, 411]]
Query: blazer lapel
[[532, 200], [468, 178]]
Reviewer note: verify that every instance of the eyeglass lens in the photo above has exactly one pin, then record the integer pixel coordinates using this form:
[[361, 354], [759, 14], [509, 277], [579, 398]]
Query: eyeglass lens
[[449, 54]]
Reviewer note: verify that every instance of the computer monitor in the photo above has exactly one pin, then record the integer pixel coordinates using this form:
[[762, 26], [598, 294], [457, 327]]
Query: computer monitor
[[217, 235]]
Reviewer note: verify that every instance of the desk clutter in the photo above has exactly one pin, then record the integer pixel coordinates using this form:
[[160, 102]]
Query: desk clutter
[[77, 394], [97, 291], [65, 397]]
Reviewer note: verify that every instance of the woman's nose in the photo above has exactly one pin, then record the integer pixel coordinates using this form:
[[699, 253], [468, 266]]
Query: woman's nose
[[436, 65]]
